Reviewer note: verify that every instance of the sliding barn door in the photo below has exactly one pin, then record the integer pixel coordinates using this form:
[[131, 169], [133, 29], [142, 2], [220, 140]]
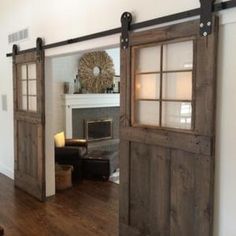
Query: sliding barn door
[[29, 121], [168, 132]]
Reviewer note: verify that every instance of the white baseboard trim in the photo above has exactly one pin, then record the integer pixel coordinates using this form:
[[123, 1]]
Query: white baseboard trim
[[6, 171]]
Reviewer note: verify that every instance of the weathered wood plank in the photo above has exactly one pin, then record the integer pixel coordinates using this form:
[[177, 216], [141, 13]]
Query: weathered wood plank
[[124, 193], [125, 89], [26, 58], [181, 31], [182, 193], [204, 192], [149, 191], [159, 191], [166, 138], [140, 187], [205, 104], [124, 209], [191, 194]]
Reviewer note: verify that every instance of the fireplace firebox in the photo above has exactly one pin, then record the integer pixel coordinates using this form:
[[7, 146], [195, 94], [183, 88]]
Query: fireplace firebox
[[98, 129]]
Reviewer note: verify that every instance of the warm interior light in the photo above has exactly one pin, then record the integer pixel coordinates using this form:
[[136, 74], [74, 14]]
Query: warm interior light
[[184, 86], [188, 65], [147, 86]]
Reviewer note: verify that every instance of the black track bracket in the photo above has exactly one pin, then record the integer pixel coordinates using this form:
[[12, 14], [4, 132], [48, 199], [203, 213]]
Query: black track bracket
[[39, 48], [206, 11], [14, 52], [126, 19]]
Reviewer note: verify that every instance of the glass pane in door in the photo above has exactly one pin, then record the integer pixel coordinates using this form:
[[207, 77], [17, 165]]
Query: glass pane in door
[[24, 72], [32, 103], [23, 105], [178, 56], [177, 115], [147, 86], [32, 71], [148, 59], [32, 87], [147, 113], [24, 87], [177, 85]]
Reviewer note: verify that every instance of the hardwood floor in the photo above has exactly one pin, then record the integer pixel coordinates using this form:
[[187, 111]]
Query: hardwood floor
[[88, 209]]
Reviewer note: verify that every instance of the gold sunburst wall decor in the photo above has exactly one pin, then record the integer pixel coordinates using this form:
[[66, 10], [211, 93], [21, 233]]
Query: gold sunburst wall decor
[[96, 71]]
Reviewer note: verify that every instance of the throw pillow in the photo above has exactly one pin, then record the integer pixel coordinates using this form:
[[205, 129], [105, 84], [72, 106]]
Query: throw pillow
[[59, 139]]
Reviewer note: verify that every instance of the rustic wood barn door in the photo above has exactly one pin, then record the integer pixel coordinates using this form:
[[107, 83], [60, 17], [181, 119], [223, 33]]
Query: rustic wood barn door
[[29, 121], [167, 131]]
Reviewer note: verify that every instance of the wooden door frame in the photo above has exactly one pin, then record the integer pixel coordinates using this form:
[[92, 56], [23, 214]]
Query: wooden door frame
[[38, 58], [200, 141]]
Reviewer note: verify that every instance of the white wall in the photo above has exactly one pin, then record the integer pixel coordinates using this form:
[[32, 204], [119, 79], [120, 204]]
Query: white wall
[[64, 69], [225, 194], [59, 20], [114, 53]]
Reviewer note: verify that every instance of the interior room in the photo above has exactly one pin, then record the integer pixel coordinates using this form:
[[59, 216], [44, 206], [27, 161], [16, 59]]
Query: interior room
[[117, 118], [86, 113]]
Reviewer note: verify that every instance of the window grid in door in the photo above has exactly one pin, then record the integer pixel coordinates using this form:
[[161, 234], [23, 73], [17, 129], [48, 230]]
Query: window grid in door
[[162, 79], [28, 88]]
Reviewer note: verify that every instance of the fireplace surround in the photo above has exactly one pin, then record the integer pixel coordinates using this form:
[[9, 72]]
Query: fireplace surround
[[104, 106], [98, 129], [81, 116]]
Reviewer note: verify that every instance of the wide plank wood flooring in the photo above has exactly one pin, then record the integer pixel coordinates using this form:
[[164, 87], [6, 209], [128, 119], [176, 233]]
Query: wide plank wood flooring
[[88, 209]]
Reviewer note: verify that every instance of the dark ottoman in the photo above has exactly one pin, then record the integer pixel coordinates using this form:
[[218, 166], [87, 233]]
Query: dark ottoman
[[99, 164]]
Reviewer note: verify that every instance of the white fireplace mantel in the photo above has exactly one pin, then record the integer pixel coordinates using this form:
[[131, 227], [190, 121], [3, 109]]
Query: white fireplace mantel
[[77, 101]]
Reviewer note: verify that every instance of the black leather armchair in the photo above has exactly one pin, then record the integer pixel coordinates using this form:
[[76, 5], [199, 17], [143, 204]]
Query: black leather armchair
[[71, 154], [1, 231]]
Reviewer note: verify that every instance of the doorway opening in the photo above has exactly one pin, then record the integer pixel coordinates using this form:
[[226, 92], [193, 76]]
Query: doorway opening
[[83, 109]]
